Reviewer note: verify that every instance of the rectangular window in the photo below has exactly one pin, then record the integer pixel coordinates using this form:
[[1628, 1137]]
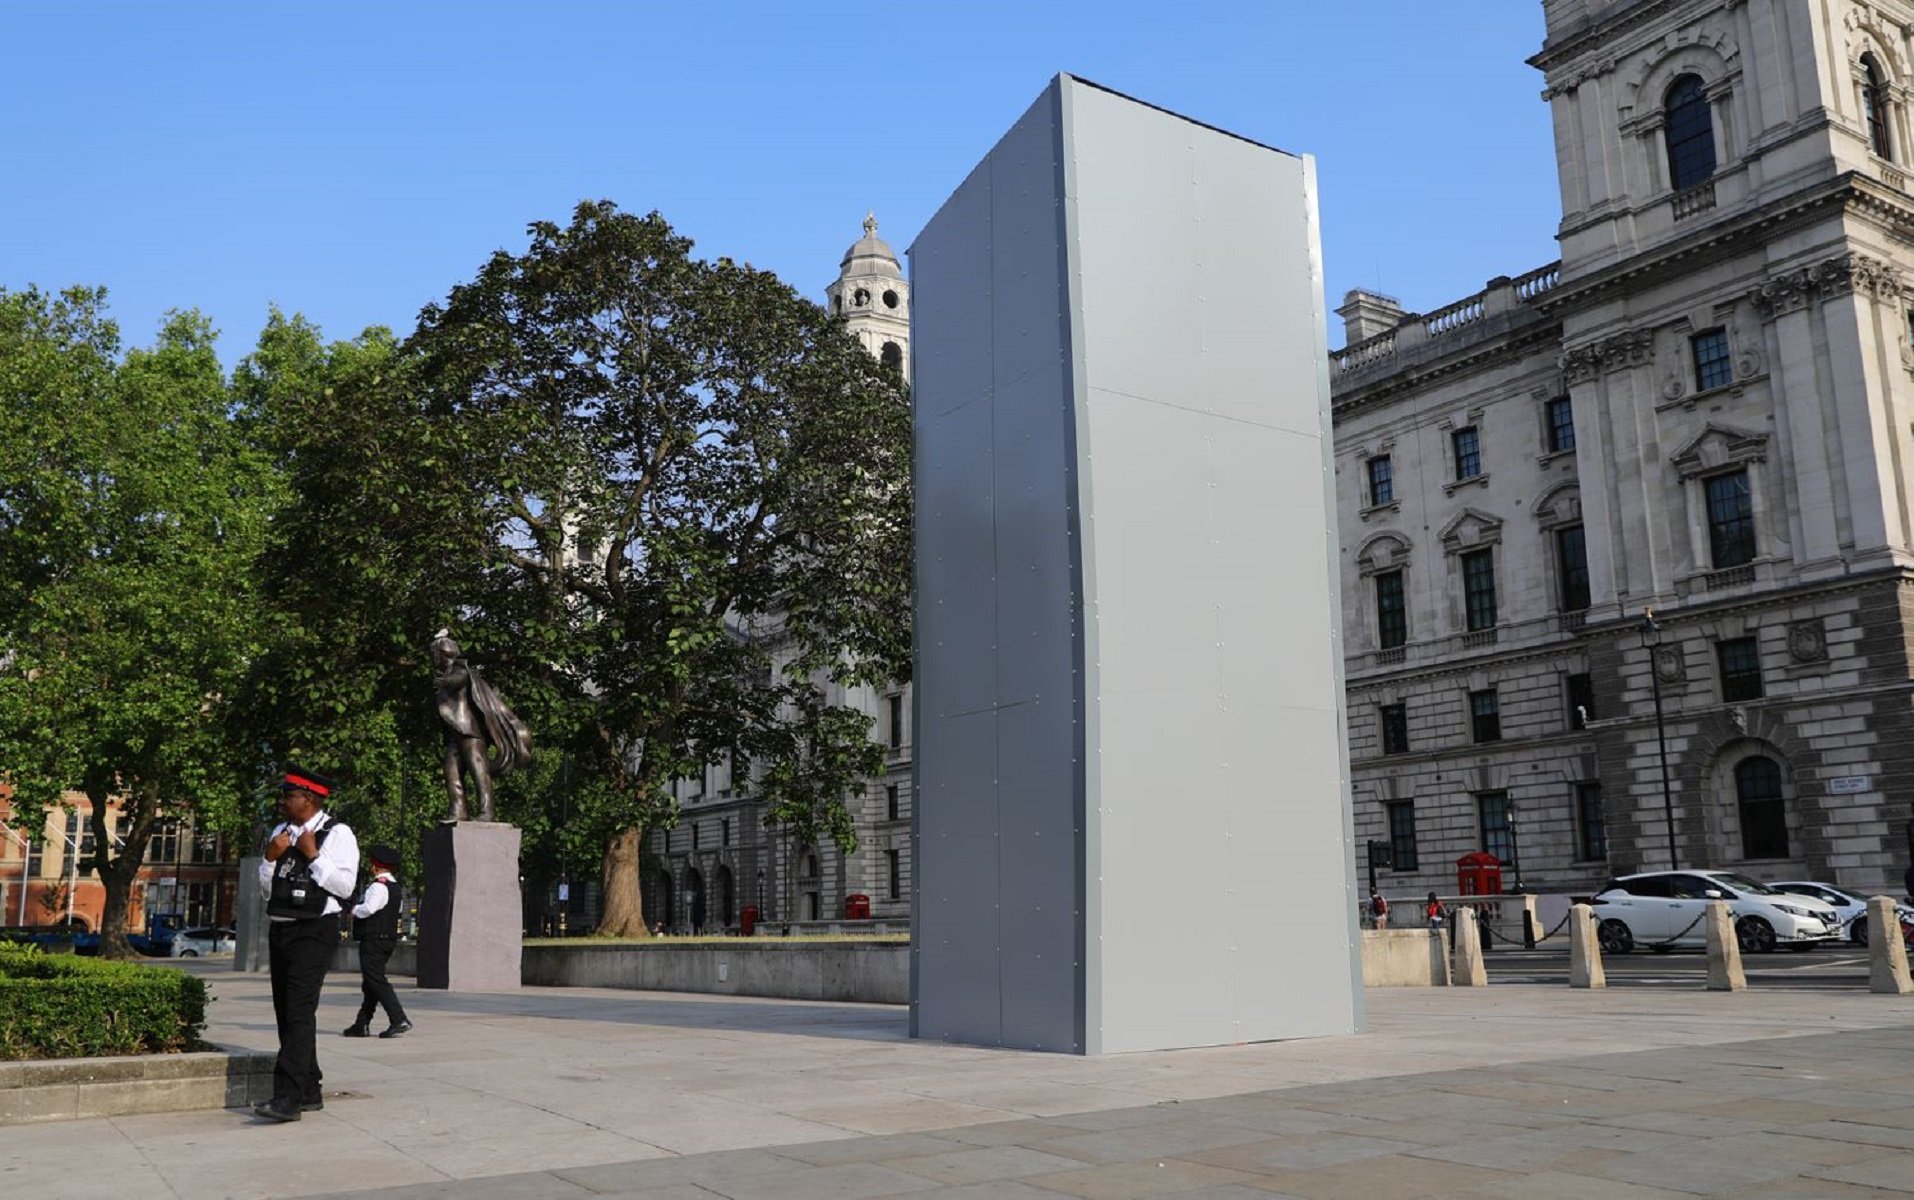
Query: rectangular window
[[1392, 620], [1740, 662], [1571, 563], [1581, 700], [1478, 588], [1561, 424], [897, 721], [1468, 453], [163, 845], [1730, 519], [199, 904], [1485, 715], [1713, 367], [1402, 834], [1395, 728], [1498, 838], [1382, 481], [1591, 828], [724, 832], [891, 811], [206, 848], [894, 860], [694, 835]]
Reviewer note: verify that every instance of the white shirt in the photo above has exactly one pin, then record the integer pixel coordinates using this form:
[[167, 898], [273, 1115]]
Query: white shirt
[[335, 870], [374, 899]]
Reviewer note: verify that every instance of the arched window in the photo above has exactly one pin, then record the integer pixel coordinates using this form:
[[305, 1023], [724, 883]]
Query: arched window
[[892, 356], [1874, 100], [1764, 816], [1690, 132]]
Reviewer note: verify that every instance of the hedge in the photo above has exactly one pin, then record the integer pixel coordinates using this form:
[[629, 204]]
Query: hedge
[[57, 1006]]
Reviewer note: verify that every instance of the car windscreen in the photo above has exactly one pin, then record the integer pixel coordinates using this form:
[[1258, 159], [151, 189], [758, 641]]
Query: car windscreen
[[1741, 883]]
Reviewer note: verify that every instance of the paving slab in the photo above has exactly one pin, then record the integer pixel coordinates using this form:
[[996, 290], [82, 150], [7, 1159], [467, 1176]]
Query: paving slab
[[1514, 1090]]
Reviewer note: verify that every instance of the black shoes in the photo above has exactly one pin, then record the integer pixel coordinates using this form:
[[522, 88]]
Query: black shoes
[[398, 1027], [311, 1105], [358, 1029], [278, 1110]]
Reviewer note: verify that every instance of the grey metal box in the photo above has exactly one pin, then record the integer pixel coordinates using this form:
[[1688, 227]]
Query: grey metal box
[[1133, 826]]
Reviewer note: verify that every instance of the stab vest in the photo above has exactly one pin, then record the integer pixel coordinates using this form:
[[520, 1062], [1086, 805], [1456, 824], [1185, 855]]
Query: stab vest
[[381, 926], [294, 894]]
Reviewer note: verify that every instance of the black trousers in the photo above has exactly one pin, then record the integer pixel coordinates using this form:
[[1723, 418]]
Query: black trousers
[[374, 953], [299, 953]]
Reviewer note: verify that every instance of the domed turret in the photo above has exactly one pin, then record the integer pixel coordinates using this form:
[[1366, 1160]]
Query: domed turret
[[873, 297]]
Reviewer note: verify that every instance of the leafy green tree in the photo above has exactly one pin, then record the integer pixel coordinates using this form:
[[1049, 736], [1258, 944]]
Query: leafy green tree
[[131, 518], [374, 535], [693, 490]]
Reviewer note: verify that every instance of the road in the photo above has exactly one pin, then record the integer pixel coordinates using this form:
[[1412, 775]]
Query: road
[[1840, 967]]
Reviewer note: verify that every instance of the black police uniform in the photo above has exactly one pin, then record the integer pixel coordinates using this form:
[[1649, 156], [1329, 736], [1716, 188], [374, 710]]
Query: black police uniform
[[376, 934]]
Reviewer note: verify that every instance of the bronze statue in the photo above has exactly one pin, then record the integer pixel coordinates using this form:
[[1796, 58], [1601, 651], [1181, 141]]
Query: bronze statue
[[474, 718]]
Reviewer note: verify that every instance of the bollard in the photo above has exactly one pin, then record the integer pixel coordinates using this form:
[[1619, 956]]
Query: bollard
[[1886, 952], [1468, 969], [1584, 950], [1724, 950]]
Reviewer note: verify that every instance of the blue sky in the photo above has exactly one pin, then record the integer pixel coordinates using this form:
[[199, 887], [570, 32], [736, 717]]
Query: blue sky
[[353, 161]]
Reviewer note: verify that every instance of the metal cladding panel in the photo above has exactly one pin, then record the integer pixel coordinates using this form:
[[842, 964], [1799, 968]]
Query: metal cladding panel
[[998, 865], [1203, 457]]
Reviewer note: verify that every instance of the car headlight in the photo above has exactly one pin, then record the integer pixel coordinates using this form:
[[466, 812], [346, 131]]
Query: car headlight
[[1792, 911]]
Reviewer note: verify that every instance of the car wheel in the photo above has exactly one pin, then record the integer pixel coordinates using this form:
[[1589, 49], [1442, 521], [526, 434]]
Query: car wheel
[[189, 954], [1857, 931], [1755, 935], [1614, 937]]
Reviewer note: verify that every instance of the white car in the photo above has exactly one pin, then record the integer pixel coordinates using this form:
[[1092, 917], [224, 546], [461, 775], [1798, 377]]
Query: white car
[[1849, 907], [193, 943], [1661, 910]]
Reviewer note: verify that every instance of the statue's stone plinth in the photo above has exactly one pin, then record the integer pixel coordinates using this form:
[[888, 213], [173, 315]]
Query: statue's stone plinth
[[470, 911], [250, 921]]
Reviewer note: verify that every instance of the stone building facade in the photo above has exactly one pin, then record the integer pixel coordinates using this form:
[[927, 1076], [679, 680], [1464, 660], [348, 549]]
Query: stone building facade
[[1704, 410], [722, 857]]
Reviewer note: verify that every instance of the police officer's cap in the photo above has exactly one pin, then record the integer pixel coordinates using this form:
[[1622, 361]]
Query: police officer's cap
[[304, 780], [384, 856]]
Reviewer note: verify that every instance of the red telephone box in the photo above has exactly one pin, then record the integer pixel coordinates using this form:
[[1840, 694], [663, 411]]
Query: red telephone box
[[1478, 873], [857, 907], [747, 920]]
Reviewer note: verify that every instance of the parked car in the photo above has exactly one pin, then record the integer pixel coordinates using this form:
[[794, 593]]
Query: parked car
[[1849, 907], [1661, 910], [192, 943]]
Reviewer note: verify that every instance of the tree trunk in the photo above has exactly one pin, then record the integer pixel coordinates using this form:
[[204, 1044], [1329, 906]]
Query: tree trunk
[[624, 912], [119, 891]]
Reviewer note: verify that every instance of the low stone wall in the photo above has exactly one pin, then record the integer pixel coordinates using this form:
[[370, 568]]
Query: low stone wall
[[35, 1090], [1405, 958], [867, 973], [404, 960]]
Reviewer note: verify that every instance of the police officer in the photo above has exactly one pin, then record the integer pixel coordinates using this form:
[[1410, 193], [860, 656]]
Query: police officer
[[311, 863], [375, 925]]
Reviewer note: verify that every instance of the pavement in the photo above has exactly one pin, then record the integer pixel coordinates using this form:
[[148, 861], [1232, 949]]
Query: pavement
[[1531, 1090]]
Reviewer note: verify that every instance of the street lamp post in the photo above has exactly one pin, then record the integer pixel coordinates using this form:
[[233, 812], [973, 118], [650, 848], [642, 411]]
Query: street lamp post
[[1651, 638]]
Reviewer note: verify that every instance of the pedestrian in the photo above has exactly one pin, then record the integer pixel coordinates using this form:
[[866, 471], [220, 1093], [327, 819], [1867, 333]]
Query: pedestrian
[[1435, 912], [311, 863], [375, 926], [1378, 910]]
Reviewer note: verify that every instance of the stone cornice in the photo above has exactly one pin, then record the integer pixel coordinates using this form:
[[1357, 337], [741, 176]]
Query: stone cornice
[[1630, 348], [1595, 32], [1826, 280], [1488, 352], [1890, 210]]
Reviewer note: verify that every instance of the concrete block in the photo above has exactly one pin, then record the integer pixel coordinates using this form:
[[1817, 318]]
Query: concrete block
[[1584, 950], [469, 938], [67, 1089], [1468, 969], [1886, 952], [1405, 958], [1724, 950]]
